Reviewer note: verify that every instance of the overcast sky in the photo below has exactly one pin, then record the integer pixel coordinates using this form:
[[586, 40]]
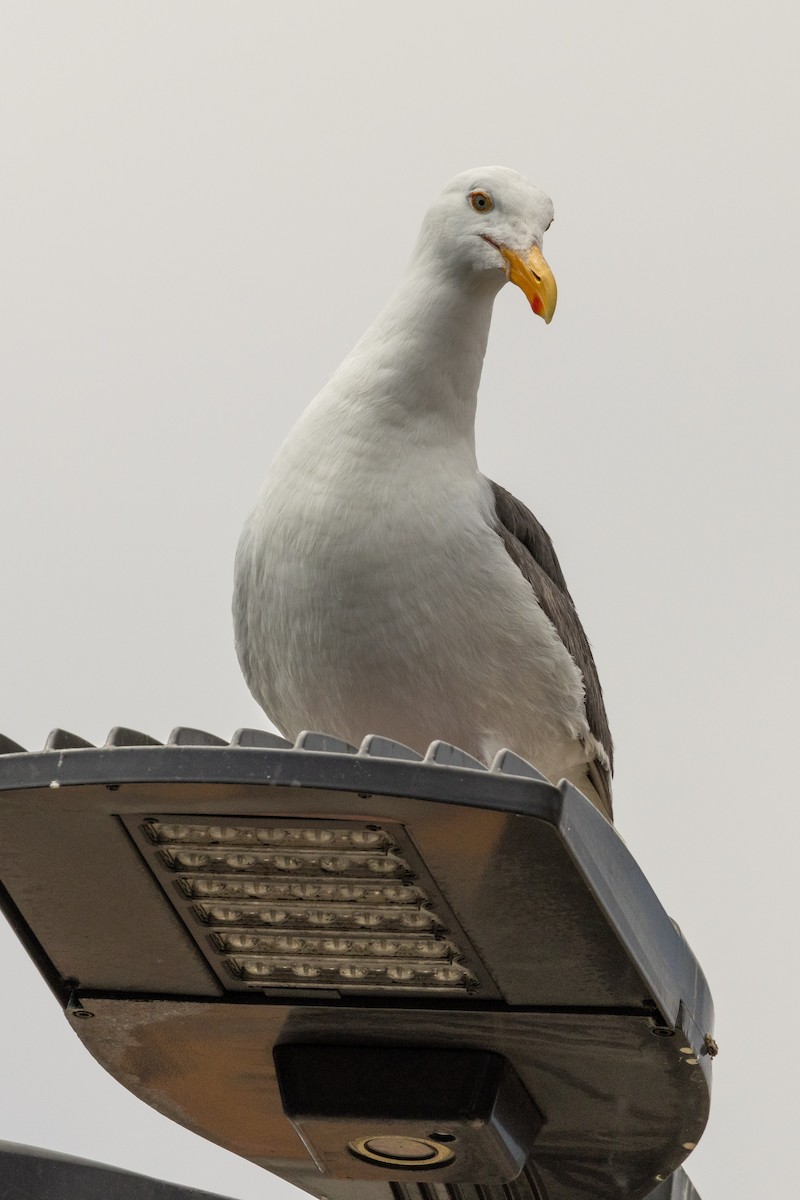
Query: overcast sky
[[203, 206]]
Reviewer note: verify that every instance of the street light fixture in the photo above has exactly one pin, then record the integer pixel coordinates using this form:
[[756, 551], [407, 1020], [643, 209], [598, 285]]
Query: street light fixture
[[370, 973], [40, 1174], [30, 1173]]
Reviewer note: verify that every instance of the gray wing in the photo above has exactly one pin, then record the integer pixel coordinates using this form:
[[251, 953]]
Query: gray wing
[[531, 549]]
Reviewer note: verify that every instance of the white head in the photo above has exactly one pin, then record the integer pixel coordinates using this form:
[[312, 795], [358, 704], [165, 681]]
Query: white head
[[492, 220]]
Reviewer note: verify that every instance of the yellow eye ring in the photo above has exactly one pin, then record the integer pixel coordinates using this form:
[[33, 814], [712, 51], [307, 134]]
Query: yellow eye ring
[[481, 201]]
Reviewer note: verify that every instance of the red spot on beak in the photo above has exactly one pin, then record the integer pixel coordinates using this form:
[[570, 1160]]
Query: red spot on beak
[[537, 306]]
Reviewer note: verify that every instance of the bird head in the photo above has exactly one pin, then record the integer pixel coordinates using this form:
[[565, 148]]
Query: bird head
[[493, 220]]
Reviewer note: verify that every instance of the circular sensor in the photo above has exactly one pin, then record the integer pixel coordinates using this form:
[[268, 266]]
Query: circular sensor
[[390, 1150]]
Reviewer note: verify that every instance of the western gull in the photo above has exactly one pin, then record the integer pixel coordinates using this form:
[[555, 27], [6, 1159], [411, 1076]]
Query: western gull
[[382, 583]]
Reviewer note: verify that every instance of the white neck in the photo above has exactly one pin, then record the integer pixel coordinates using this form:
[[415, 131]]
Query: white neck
[[419, 365]]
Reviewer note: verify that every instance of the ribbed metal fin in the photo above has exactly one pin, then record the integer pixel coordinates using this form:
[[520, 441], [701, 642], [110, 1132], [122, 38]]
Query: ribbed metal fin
[[524, 1187], [7, 746], [445, 755], [121, 736], [325, 742], [62, 739], [183, 736], [375, 746], [260, 739], [506, 762]]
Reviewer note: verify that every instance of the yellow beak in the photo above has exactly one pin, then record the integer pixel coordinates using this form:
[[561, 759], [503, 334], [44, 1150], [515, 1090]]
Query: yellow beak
[[535, 278]]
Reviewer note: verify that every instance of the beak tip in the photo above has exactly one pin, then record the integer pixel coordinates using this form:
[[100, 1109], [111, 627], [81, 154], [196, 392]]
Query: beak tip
[[538, 307]]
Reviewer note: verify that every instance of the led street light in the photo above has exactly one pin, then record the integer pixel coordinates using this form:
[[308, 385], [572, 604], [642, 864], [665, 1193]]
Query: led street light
[[28, 1173], [375, 975]]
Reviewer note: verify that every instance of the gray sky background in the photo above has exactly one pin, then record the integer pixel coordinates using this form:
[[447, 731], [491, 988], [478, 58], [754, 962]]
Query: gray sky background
[[203, 206]]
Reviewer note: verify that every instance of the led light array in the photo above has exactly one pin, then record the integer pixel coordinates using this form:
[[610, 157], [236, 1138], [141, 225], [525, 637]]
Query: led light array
[[286, 905], [340, 974], [335, 916], [236, 835], [297, 862], [343, 891], [357, 945]]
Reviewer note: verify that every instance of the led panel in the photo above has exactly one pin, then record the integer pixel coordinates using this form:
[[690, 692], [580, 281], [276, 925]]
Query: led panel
[[328, 905]]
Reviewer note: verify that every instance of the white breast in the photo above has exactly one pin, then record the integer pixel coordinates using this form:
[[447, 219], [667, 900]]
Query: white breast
[[374, 596]]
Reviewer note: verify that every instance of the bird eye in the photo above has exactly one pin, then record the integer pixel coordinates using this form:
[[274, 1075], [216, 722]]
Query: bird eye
[[549, 223], [481, 201]]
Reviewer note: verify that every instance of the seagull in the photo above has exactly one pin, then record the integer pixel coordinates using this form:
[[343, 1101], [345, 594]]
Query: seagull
[[382, 583]]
